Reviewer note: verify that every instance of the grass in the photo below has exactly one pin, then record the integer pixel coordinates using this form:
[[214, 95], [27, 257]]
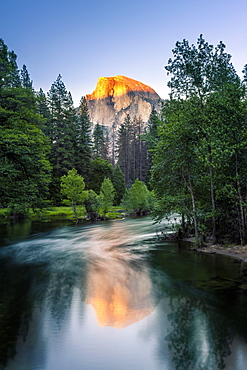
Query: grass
[[63, 213]]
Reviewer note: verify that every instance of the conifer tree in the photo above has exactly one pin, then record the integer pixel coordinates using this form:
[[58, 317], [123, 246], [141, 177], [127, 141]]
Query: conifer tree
[[119, 184], [24, 168], [9, 73], [124, 148], [100, 143], [43, 110], [63, 118], [83, 141], [25, 78]]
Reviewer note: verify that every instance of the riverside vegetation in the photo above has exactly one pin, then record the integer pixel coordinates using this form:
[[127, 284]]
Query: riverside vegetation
[[190, 159]]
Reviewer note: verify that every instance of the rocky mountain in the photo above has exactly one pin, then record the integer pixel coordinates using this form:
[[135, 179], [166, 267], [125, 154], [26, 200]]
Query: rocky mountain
[[115, 97]]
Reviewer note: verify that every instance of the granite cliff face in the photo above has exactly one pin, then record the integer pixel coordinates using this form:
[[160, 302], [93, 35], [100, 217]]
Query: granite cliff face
[[115, 97]]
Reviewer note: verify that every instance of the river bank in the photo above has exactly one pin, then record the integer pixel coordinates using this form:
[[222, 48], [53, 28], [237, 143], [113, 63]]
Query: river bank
[[237, 252]]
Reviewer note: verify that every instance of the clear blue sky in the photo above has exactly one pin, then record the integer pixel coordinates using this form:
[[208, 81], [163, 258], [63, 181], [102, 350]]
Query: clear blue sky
[[84, 40]]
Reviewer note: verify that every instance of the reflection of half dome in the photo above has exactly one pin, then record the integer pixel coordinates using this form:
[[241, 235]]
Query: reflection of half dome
[[119, 293]]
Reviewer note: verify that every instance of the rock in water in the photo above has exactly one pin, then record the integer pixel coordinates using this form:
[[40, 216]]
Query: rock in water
[[115, 97]]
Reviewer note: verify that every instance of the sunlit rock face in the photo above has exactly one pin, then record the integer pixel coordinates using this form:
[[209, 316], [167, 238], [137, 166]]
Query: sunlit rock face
[[115, 97]]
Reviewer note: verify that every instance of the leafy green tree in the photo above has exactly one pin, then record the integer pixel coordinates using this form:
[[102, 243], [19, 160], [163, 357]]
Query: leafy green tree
[[138, 199], [199, 69], [24, 167], [92, 205], [118, 182], [107, 195], [175, 165], [72, 186], [196, 73]]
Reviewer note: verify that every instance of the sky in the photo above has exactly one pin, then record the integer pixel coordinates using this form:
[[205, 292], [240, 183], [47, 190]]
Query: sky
[[84, 40]]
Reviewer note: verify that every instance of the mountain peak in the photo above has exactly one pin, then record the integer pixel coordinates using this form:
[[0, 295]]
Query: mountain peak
[[115, 97], [117, 86]]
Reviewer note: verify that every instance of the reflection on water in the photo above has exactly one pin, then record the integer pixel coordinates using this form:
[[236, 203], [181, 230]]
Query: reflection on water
[[65, 293], [120, 293]]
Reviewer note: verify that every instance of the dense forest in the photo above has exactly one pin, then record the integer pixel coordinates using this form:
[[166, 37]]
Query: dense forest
[[189, 159]]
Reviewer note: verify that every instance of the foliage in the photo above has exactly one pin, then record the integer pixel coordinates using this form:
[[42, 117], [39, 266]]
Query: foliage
[[132, 150], [72, 186], [199, 69], [199, 164], [92, 204], [24, 167], [138, 199], [83, 140], [118, 182], [100, 169], [100, 142], [107, 195]]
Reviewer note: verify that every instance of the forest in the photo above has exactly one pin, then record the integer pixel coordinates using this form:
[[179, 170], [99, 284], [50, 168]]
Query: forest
[[189, 159]]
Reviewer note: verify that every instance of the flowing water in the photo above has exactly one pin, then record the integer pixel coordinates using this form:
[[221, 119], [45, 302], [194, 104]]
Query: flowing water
[[113, 296]]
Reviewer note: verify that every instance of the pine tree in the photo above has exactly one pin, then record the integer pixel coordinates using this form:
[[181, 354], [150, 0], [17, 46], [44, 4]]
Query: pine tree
[[24, 168], [9, 73], [63, 123], [43, 110], [63, 119], [25, 78], [100, 143], [139, 151], [124, 140], [119, 184], [84, 141]]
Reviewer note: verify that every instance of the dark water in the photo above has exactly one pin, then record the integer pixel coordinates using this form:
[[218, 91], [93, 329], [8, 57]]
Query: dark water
[[112, 296]]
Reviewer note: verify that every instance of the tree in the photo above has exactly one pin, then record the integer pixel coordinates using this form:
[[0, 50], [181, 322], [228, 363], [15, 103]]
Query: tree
[[199, 70], [138, 198], [124, 148], [83, 140], [100, 143], [24, 166], [196, 73], [119, 184], [100, 169], [174, 175], [107, 194], [63, 118], [132, 150], [43, 110], [151, 137], [25, 78], [72, 186], [62, 121], [9, 73], [92, 204]]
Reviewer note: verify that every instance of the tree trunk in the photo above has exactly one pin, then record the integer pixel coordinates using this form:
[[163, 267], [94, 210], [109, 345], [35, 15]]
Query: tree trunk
[[242, 230], [212, 195], [189, 187]]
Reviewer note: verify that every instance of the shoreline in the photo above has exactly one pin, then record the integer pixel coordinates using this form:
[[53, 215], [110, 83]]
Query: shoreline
[[237, 252]]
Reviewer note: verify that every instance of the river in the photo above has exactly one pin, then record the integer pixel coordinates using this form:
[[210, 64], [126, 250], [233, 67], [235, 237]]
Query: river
[[113, 296]]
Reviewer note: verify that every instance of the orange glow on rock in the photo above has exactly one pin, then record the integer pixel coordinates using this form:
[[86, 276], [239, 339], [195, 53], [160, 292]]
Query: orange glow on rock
[[117, 86]]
